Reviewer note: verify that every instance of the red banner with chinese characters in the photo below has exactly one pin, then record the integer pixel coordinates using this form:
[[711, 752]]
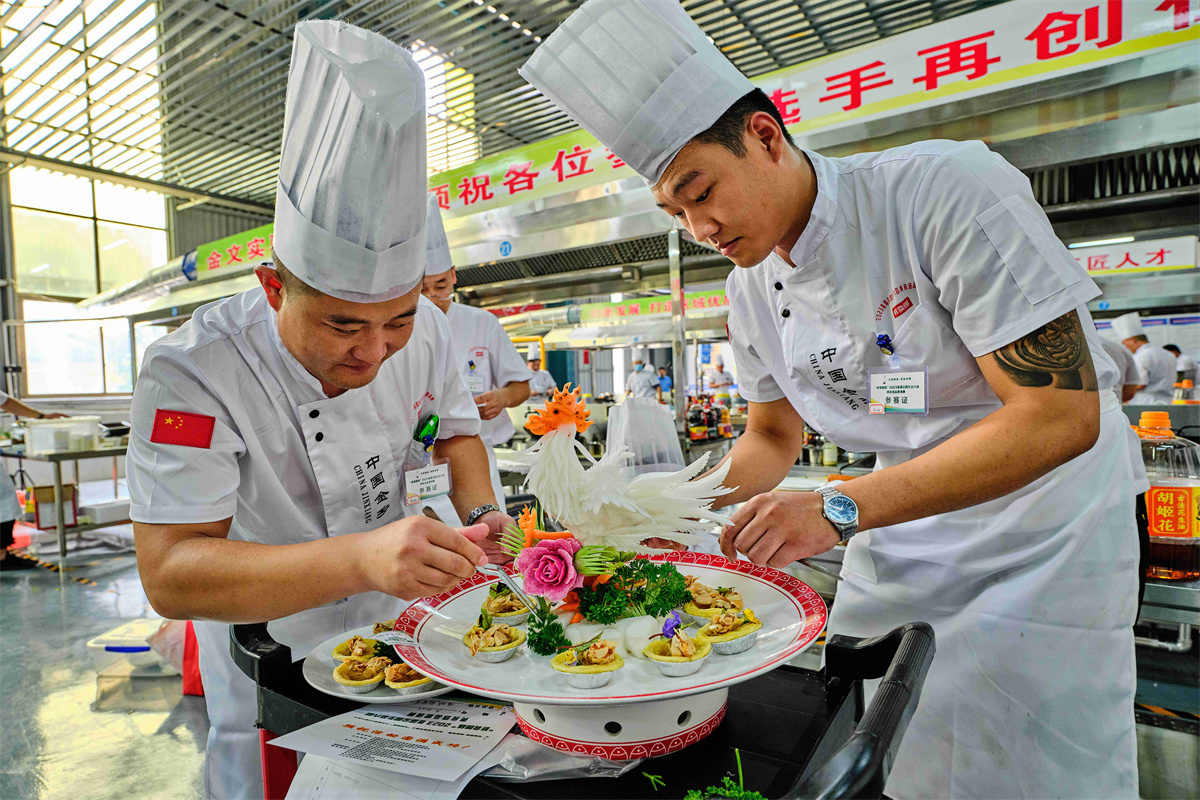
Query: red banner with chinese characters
[[1007, 45]]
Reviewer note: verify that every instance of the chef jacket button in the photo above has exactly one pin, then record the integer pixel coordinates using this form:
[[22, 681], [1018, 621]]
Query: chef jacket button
[[314, 414], [785, 313], [319, 436], [778, 286]]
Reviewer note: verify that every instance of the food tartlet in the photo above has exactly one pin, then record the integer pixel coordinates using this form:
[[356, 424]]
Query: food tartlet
[[360, 677], [356, 648], [679, 655], [384, 627], [504, 606], [590, 667], [406, 680], [731, 633], [491, 641], [708, 602]]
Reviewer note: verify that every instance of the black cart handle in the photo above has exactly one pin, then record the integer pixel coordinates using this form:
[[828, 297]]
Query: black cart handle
[[264, 660], [860, 767]]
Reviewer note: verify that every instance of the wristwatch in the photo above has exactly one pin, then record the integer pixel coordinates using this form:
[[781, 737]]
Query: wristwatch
[[483, 509], [841, 511]]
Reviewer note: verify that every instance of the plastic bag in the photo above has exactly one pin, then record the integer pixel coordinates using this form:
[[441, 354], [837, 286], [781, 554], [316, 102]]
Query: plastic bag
[[645, 427], [168, 641], [527, 760]]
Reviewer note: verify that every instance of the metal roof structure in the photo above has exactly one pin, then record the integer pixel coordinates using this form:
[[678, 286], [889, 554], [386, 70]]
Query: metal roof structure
[[189, 93]]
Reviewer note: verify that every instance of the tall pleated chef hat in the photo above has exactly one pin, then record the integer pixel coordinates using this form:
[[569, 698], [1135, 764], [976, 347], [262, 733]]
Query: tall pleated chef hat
[[639, 76], [350, 204], [534, 354], [1128, 325], [437, 248]]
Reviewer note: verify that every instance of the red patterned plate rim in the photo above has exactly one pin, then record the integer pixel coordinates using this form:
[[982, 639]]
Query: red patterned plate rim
[[805, 599]]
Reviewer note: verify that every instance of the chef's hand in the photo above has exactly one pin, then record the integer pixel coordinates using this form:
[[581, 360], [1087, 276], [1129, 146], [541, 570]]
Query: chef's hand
[[418, 557], [490, 404], [496, 522], [656, 543], [776, 528]]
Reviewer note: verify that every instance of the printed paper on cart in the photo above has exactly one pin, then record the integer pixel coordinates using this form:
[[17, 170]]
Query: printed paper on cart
[[434, 738]]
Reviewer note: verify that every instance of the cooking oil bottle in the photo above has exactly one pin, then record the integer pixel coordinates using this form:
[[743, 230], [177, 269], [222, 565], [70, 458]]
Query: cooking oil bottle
[[1173, 502]]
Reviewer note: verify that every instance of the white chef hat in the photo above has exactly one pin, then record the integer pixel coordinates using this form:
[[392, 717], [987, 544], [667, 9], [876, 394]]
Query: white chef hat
[[1128, 325], [638, 355], [350, 204], [437, 249], [535, 353], [639, 76]]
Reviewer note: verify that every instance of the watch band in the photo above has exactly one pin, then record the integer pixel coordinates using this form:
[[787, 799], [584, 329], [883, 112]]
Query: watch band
[[845, 530], [479, 512]]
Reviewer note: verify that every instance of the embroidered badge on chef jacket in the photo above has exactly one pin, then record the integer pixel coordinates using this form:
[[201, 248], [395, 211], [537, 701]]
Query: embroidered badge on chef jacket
[[183, 428]]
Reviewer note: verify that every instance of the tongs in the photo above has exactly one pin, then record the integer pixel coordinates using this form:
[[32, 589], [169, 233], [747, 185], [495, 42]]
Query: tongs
[[501, 573]]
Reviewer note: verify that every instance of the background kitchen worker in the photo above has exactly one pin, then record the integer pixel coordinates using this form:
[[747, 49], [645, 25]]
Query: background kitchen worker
[[542, 384], [719, 380], [487, 360], [1185, 365], [641, 382], [665, 382], [10, 509], [1127, 380], [985, 515], [271, 432], [1156, 367]]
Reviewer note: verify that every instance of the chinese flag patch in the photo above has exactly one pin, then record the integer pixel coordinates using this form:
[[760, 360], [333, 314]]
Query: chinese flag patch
[[181, 427]]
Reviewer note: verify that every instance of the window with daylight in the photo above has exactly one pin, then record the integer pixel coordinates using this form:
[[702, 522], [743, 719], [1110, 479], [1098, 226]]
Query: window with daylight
[[74, 237], [450, 109], [69, 355]]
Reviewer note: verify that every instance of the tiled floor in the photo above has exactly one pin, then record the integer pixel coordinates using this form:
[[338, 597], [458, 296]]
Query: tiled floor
[[64, 731]]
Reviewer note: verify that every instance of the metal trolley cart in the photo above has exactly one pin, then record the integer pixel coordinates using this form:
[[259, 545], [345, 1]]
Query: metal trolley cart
[[800, 733]]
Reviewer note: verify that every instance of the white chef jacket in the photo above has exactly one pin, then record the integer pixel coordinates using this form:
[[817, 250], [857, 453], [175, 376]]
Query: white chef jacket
[[644, 383], [487, 359], [942, 246], [542, 382], [1156, 369], [10, 509], [289, 465], [1127, 371], [1187, 365], [719, 378]]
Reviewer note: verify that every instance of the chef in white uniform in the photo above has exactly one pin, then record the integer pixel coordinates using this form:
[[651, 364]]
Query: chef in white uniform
[[490, 365], [1156, 367], [1126, 383], [1003, 516], [542, 384], [10, 509], [271, 432], [642, 380], [1185, 365]]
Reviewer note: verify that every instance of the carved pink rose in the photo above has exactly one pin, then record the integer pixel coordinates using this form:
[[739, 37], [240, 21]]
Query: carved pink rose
[[549, 568]]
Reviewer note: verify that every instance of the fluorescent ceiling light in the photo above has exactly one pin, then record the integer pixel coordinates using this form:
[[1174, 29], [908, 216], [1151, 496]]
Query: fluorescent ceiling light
[[40, 268], [117, 243], [1098, 242]]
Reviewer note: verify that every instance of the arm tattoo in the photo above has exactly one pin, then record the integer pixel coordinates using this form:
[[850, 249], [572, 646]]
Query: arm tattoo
[[1056, 355]]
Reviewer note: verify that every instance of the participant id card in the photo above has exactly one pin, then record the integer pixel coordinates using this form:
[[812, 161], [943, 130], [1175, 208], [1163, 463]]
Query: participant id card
[[426, 482], [899, 391]]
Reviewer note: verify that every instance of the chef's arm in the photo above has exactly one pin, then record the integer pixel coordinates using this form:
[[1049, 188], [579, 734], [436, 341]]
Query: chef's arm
[[492, 403], [1051, 414], [763, 454], [1129, 390], [193, 571]]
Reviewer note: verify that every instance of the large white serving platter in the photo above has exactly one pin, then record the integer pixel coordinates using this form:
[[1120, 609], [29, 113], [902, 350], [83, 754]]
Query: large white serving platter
[[320, 664], [793, 616]]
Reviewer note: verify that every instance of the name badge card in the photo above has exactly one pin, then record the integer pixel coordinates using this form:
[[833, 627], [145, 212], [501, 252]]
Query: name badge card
[[478, 377], [423, 483], [899, 391]]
